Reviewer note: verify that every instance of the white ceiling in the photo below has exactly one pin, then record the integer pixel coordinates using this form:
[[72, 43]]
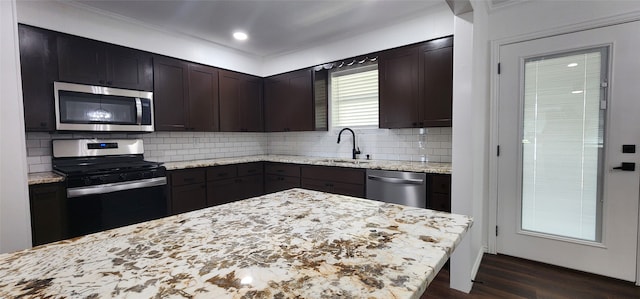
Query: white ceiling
[[274, 26]]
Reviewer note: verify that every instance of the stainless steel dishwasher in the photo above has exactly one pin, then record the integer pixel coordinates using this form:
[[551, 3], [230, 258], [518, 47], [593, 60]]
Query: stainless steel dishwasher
[[405, 188]]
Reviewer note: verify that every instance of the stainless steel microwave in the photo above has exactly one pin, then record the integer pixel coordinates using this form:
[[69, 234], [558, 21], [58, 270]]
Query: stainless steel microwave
[[104, 109]]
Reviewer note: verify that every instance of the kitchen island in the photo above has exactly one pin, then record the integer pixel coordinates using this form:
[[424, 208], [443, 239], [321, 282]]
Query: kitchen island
[[294, 243]]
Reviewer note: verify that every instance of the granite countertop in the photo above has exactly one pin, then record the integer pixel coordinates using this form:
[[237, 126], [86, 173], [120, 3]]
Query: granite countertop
[[290, 244], [428, 167], [44, 178]]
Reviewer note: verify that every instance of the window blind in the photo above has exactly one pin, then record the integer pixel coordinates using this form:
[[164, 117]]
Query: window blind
[[354, 97]]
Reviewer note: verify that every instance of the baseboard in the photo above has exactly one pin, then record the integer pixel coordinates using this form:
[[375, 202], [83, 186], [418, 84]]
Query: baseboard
[[476, 264]]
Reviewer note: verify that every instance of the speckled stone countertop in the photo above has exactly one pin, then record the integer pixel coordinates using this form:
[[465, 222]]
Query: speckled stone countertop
[[44, 178], [290, 244], [428, 167]]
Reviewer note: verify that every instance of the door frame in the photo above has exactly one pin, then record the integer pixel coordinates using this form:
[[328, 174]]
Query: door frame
[[494, 109]]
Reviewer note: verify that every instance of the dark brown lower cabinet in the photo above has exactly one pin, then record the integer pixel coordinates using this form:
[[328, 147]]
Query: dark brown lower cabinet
[[230, 183], [338, 180], [188, 190], [281, 176], [48, 203], [439, 192], [197, 188]]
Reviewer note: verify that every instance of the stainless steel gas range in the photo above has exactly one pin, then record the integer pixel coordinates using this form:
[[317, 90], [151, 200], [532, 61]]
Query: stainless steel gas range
[[109, 184]]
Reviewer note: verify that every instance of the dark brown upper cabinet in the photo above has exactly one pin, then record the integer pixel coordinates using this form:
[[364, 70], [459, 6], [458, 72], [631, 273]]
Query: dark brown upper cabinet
[[289, 103], [203, 98], [171, 94], [87, 61], [185, 96], [39, 68], [240, 102], [415, 85]]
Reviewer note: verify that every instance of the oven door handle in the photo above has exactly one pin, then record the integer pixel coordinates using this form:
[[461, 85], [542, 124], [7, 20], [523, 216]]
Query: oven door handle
[[108, 188]]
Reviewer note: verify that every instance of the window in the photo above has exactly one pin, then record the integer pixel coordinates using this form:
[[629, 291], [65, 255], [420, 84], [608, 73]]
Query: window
[[354, 97]]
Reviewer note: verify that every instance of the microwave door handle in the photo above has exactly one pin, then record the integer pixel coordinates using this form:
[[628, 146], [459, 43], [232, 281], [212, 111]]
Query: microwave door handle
[[139, 111]]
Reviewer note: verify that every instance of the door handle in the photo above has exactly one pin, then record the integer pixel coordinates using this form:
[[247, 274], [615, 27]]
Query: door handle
[[395, 180], [626, 166]]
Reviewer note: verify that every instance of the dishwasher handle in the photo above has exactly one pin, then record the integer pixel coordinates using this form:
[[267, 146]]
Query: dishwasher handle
[[396, 180]]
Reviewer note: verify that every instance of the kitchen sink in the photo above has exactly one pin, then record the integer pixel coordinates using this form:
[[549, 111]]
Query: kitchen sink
[[350, 161]]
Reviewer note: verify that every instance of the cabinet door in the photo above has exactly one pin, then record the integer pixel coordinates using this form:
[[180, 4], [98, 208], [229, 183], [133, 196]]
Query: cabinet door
[[275, 105], [439, 192], [128, 68], [436, 83], [251, 119], [398, 88], [188, 198], [251, 186], [203, 98], [289, 102], [39, 68], [81, 60], [299, 104], [48, 213], [222, 191], [170, 97], [230, 87]]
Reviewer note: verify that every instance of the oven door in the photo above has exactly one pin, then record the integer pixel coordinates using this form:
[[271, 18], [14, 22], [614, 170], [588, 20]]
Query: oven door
[[97, 208]]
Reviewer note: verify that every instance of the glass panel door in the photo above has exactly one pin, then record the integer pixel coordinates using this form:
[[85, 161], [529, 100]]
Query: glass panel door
[[562, 144]]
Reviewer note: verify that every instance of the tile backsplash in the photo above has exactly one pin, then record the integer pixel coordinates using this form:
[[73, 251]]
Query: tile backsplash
[[159, 146], [382, 144], [432, 144]]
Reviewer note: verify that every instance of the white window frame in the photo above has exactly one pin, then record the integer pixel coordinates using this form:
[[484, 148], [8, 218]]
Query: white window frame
[[348, 71]]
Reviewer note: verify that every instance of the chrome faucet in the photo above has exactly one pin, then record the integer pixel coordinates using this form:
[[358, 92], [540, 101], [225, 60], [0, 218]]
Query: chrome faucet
[[354, 151]]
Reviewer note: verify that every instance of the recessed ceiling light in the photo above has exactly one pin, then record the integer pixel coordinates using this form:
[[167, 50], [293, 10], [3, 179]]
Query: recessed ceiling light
[[577, 91], [239, 35], [572, 64]]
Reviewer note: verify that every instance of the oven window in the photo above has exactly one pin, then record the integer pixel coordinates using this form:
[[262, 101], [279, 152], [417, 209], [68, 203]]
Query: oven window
[[85, 108]]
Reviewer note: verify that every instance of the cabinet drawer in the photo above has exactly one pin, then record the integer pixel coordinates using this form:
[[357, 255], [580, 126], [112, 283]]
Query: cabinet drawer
[[282, 169], [440, 183], [356, 190], [334, 174], [222, 172], [250, 169], [187, 176], [275, 183]]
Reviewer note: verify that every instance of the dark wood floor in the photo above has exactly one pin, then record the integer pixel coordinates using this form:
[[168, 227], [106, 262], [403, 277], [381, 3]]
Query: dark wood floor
[[502, 276]]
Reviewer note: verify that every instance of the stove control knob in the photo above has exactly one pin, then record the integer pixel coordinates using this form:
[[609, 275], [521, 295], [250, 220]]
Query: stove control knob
[[146, 175], [86, 181], [122, 176]]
